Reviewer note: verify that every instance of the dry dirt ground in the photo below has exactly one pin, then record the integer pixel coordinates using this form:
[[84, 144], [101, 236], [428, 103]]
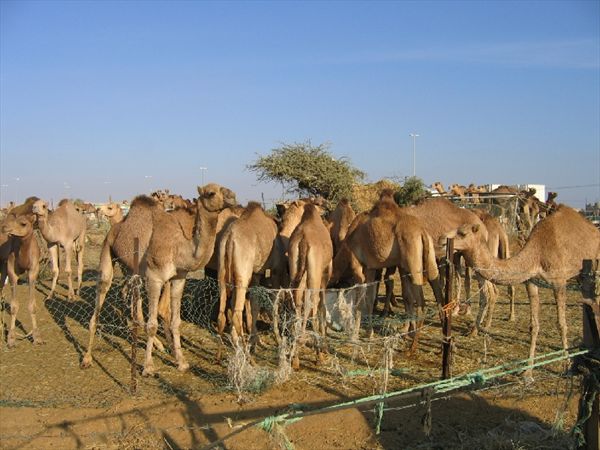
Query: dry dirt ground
[[47, 401]]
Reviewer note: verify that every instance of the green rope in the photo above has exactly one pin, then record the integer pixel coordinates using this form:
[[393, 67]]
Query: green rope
[[270, 423]]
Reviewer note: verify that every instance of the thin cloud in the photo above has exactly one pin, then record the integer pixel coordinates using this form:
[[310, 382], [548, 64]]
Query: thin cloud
[[568, 54]]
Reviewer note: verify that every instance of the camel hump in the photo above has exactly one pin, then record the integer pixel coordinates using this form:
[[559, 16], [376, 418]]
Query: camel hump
[[64, 201], [143, 201], [251, 207]]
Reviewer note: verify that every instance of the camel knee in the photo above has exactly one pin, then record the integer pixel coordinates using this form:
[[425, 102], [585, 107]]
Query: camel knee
[[152, 327]]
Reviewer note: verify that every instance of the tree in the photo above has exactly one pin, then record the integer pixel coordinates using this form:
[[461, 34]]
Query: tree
[[411, 192], [308, 171]]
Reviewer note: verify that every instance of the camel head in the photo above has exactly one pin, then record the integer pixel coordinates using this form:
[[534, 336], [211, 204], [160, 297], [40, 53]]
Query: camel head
[[109, 209], [19, 226], [552, 196], [466, 237], [40, 208], [215, 198]]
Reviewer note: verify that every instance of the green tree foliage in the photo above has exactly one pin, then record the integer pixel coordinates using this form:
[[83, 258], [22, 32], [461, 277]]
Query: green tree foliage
[[308, 170], [412, 191]]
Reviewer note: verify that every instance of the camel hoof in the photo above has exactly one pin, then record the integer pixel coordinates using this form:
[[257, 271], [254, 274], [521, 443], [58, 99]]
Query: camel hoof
[[38, 341], [11, 341], [183, 367], [86, 362], [321, 358], [148, 371], [473, 332], [296, 363], [512, 319], [527, 376]]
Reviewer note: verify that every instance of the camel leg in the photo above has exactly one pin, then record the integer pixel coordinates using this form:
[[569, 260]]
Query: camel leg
[[409, 304], [31, 278], [534, 303], [164, 314], [68, 271], [14, 305], [298, 293], [79, 247], [560, 295], [154, 287], [105, 278], [468, 276], [3, 276], [492, 291], [241, 288], [177, 285], [53, 251], [222, 320], [419, 300], [511, 296], [483, 306]]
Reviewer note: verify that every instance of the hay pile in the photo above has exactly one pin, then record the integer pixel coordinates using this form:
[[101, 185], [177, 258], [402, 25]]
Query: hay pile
[[364, 195]]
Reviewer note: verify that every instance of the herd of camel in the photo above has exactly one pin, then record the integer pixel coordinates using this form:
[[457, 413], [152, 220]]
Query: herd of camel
[[302, 248]]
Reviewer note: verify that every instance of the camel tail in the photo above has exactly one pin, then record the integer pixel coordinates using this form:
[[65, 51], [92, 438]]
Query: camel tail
[[429, 261], [300, 263]]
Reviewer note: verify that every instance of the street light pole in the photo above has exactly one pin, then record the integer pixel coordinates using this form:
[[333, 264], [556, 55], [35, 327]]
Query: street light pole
[[202, 170], [414, 136]]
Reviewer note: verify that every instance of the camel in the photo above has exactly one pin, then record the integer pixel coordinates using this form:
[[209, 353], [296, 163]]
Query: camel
[[248, 247], [551, 204], [499, 247], [226, 217], [388, 237], [310, 256], [554, 251], [64, 227], [291, 214], [112, 211], [5, 239], [439, 187], [458, 190], [24, 257], [171, 244], [341, 218]]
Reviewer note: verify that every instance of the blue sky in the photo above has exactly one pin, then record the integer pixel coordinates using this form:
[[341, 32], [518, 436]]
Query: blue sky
[[120, 98]]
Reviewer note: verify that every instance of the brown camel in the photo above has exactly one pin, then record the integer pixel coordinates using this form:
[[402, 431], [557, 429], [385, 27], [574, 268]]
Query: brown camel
[[249, 246], [554, 252], [391, 238], [171, 245], [291, 214], [310, 256], [24, 257], [5, 239], [341, 218], [551, 204], [65, 227]]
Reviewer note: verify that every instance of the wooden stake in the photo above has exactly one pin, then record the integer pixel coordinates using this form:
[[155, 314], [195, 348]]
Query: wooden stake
[[447, 313]]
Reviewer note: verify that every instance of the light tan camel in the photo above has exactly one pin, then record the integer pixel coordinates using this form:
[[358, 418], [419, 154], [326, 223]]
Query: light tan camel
[[439, 187], [391, 238], [341, 218], [226, 218], [291, 214], [249, 246], [24, 257], [458, 190], [554, 252], [65, 227], [112, 211], [499, 247], [171, 245], [310, 256]]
